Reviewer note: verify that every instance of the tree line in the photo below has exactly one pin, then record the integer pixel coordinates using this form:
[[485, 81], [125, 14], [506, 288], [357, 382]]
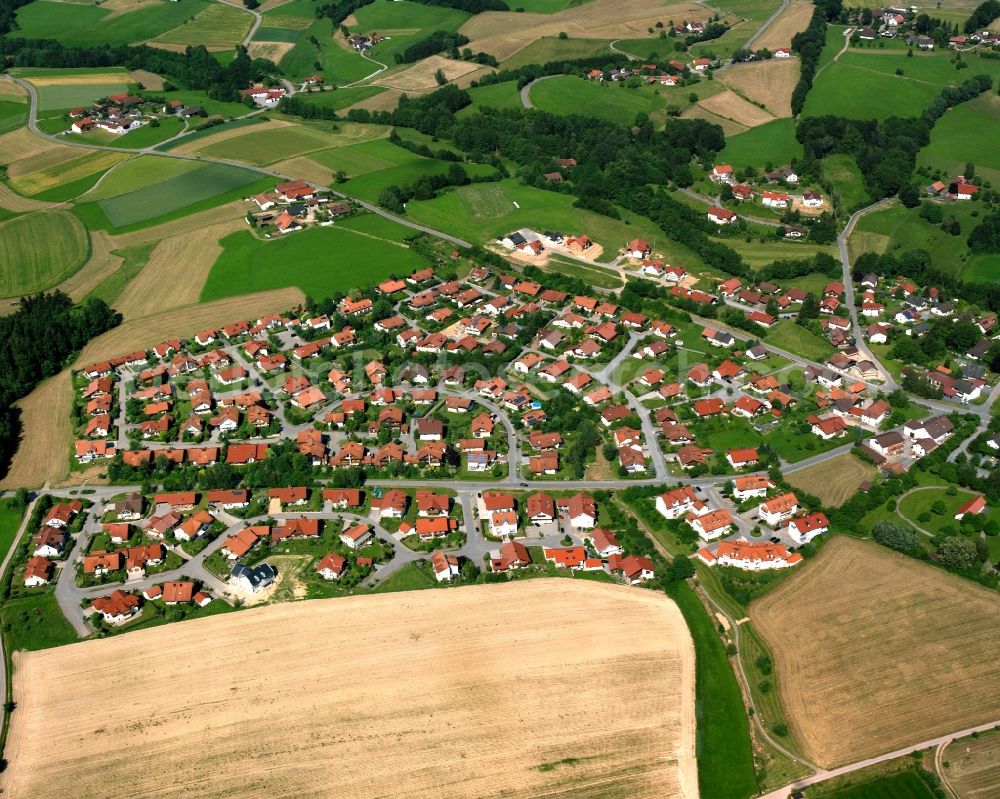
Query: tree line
[[809, 45], [35, 343], [984, 14], [195, 68]]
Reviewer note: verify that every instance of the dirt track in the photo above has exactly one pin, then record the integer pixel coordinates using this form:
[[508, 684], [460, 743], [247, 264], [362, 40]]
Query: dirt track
[[556, 688]]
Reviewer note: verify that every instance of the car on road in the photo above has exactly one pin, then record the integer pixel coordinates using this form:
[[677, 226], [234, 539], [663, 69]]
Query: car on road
[[775, 539]]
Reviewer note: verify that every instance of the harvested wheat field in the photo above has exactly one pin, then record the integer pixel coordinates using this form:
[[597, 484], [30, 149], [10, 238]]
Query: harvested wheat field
[[101, 264], [150, 80], [305, 168], [273, 51], [176, 271], [22, 143], [729, 127], [730, 105], [420, 77], [420, 694], [383, 101], [43, 454], [834, 480], [185, 322], [975, 766], [10, 89], [84, 79], [768, 82], [875, 651], [794, 19], [503, 33], [15, 202]]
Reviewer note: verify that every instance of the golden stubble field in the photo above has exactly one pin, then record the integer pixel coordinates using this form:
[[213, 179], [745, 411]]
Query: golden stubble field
[[876, 651], [794, 19], [833, 480], [556, 688]]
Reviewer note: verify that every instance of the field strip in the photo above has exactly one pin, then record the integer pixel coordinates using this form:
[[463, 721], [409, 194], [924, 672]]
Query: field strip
[[47, 434], [78, 80], [15, 202], [175, 227], [794, 19], [275, 709], [185, 322], [225, 135], [175, 272]]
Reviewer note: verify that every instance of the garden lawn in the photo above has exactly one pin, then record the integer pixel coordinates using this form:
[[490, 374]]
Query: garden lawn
[[794, 338], [175, 193], [338, 260], [920, 502], [771, 143], [148, 135], [409, 578], [34, 622], [10, 519]]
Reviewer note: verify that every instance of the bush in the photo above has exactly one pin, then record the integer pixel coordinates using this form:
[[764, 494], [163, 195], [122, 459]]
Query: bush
[[895, 535]]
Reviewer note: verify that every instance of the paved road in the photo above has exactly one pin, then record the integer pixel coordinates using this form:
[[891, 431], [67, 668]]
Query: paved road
[[825, 774], [33, 127]]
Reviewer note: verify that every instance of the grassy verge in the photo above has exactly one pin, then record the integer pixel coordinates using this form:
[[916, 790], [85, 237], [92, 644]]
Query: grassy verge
[[723, 750]]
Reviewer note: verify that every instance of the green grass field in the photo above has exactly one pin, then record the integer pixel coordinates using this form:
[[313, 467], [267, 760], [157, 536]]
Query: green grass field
[[374, 165], [174, 193], [920, 502], [40, 250], [137, 173], [901, 785], [268, 146], [404, 23], [10, 519], [938, 66], [722, 745], [339, 260], [487, 210], [567, 94], [217, 25], [551, 48], [794, 338], [77, 24], [34, 622], [496, 95], [70, 95], [12, 114], [409, 578], [964, 134], [857, 93], [834, 41], [848, 185], [267, 34], [899, 229], [761, 253], [772, 143], [337, 65], [341, 98]]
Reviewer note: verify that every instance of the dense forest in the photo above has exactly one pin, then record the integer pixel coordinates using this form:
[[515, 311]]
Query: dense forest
[[35, 343], [982, 16]]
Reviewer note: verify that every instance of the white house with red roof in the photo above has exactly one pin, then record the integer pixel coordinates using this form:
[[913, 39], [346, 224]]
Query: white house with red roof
[[749, 555]]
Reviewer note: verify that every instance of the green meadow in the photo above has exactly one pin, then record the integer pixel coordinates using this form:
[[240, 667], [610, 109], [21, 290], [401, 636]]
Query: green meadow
[[339, 260], [859, 93], [567, 95], [771, 143], [76, 24]]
